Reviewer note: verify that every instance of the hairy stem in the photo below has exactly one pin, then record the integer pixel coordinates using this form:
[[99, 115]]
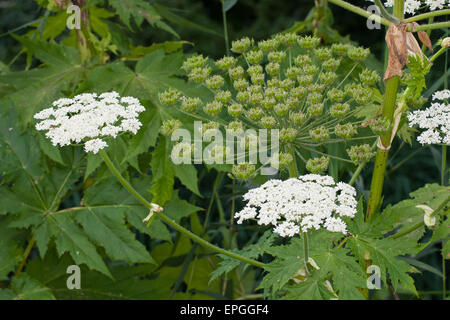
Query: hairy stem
[[428, 15], [25, 256], [225, 28], [171, 222], [360, 11]]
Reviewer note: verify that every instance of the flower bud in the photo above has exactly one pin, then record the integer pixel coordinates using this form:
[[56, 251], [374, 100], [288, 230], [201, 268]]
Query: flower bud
[[191, 105], [169, 126], [339, 110], [293, 72], [369, 78], [211, 125], [235, 110], [254, 70], [298, 118], [280, 94], [285, 159], [226, 63], [236, 73], [290, 39], [302, 60], [215, 82], [323, 53], [268, 45], [273, 68], [277, 56], [336, 95], [223, 96], [213, 108], [243, 171], [235, 127], [319, 134], [256, 98], [305, 80], [315, 110], [240, 84], [328, 78], [254, 56], [242, 45], [380, 126], [255, 113], [268, 122], [199, 75], [358, 54], [331, 64], [446, 42], [314, 97], [340, 49], [287, 84], [345, 131], [362, 153], [298, 92], [258, 79], [317, 165], [281, 109], [287, 135], [243, 96], [194, 62], [309, 42], [311, 69], [169, 97], [268, 103]]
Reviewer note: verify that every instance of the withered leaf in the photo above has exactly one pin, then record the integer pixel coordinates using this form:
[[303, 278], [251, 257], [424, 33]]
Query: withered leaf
[[401, 44]]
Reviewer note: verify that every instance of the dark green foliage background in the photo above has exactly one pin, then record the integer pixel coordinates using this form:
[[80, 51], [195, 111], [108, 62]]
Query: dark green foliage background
[[257, 19]]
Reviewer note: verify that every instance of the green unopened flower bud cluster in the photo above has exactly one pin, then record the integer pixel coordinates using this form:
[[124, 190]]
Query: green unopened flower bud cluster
[[288, 82]]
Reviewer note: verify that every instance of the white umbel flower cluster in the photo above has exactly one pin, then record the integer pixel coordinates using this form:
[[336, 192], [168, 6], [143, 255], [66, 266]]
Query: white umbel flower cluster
[[435, 119], [411, 6], [300, 204], [88, 118]]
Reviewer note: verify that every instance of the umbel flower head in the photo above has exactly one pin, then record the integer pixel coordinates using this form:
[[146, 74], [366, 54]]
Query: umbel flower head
[[411, 6], [300, 204], [89, 118], [435, 120], [287, 83]]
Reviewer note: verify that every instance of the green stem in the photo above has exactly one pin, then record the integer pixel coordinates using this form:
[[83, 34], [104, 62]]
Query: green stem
[[360, 11], [444, 165], [390, 98], [427, 15], [386, 14], [432, 26], [225, 28], [171, 222], [25, 256], [293, 173]]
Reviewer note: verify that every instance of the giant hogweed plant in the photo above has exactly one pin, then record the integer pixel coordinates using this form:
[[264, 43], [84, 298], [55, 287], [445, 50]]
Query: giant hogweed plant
[[322, 241]]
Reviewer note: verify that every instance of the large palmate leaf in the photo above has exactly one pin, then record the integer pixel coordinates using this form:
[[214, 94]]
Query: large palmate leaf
[[10, 251], [330, 262], [23, 287], [384, 254], [140, 11], [164, 172], [32, 193], [36, 89], [129, 281]]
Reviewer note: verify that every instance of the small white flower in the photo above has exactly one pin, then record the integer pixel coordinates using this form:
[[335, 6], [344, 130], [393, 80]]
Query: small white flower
[[411, 6], [88, 117], [94, 145], [435, 120], [300, 204]]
